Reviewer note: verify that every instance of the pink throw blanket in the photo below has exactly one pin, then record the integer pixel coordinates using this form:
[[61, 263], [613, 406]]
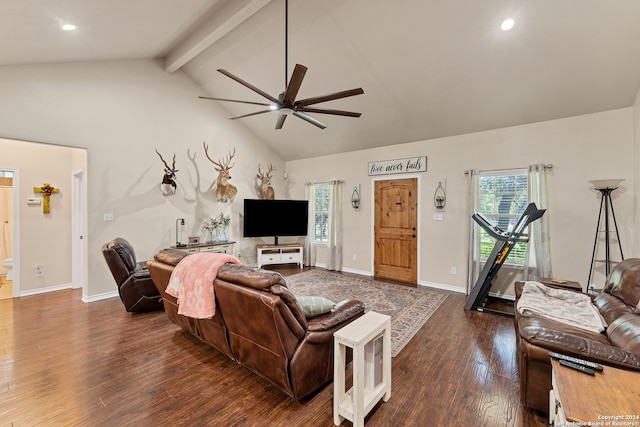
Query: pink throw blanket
[[191, 282]]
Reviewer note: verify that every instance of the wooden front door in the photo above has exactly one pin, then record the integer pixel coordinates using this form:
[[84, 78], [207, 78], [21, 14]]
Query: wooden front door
[[395, 229]]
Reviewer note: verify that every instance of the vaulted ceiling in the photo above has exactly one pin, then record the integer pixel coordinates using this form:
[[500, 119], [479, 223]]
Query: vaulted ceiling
[[429, 68]]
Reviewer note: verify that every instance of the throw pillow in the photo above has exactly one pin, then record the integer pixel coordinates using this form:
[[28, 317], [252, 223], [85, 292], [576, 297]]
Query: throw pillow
[[315, 306]]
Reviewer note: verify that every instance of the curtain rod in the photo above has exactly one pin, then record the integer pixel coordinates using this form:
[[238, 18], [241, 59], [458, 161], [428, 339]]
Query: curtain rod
[[546, 166], [337, 181]]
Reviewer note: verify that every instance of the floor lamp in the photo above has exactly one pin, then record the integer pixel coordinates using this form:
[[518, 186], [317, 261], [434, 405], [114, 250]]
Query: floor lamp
[[605, 187]]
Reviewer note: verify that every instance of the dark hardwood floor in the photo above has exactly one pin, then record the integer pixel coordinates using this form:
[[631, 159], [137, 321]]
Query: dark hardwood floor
[[64, 362]]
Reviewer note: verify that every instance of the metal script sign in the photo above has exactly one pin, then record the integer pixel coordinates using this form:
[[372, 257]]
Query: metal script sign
[[399, 166]]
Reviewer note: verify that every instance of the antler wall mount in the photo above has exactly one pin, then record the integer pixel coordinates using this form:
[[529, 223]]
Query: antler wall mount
[[286, 104], [266, 190], [168, 185], [225, 191]]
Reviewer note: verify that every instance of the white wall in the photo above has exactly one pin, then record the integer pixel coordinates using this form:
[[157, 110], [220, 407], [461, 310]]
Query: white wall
[[580, 148], [121, 111]]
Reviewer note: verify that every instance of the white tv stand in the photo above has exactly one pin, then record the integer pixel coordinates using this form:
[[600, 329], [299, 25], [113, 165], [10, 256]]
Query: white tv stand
[[280, 254]]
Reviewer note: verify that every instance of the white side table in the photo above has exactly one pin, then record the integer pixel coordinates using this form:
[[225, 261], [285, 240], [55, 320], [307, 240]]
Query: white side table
[[361, 335]]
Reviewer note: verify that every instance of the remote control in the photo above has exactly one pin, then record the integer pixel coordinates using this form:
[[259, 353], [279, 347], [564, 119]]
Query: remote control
[[577, 367], [586, 363]]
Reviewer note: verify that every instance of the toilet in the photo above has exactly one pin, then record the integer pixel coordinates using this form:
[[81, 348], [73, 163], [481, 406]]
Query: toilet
[[8, 264]]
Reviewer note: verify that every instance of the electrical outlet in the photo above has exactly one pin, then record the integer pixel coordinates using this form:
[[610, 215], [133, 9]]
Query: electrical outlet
[[438, 217], [108, 217], [355, 257], [454, 270], [39, 271]]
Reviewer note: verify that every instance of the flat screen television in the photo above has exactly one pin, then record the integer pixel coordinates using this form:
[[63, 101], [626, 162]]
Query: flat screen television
[[266, 218]]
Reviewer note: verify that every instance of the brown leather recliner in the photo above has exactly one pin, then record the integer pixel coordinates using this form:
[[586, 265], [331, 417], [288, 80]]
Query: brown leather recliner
[[135, 287], [263, 325]]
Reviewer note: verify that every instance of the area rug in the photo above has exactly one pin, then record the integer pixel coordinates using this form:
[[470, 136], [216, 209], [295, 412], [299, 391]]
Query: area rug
[[408, 307]]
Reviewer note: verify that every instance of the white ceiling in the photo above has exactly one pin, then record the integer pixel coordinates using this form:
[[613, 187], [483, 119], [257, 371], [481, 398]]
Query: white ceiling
[[429, 68]]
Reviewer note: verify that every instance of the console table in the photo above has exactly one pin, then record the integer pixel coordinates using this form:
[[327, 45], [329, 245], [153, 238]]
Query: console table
[[280, 254], [371, 367], [223, 247], [608, 396]]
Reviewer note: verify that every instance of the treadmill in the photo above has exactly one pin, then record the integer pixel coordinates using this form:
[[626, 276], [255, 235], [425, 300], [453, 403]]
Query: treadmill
[[505, 241]]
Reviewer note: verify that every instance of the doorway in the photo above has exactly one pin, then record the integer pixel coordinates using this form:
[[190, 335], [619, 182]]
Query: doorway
[[6, 233], [396, 229], [78, 232]]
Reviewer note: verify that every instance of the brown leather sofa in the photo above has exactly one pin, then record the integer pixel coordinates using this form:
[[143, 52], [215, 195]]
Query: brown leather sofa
[[259, 324], [135, 287], [618, 346]]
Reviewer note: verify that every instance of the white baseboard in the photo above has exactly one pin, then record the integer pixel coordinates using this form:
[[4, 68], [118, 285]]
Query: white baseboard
[[45, 290], [442, 286], [360, 272], [99, 297]]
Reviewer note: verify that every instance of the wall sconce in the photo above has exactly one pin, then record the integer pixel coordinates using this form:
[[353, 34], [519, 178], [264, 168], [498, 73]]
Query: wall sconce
[[440, 197], [355, 197]]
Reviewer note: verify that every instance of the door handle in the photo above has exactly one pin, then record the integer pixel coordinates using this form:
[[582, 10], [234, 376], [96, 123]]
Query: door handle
[[413, 236]]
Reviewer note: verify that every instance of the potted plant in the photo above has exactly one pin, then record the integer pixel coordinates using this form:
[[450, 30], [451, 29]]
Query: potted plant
[[211, 227], [224, 221]]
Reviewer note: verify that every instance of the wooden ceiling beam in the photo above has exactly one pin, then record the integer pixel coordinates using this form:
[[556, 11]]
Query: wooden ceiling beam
[[232, 14]]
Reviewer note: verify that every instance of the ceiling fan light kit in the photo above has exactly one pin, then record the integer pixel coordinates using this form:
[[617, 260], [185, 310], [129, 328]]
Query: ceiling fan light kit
[[286, 103]]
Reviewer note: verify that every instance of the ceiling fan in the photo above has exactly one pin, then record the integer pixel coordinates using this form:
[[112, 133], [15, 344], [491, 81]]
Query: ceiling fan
[[286, 104]]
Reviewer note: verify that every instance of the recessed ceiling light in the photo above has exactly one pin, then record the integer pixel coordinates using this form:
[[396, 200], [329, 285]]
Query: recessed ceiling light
[[507, 24], [68, 27]]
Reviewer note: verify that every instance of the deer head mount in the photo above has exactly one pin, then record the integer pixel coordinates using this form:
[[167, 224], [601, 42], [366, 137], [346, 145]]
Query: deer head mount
[[168, 185], [266, 191], [225, 192]]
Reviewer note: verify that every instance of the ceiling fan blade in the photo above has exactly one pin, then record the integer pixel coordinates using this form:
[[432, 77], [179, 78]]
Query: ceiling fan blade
[[329, 111], [294, 84], [251, 114], [249, 85], [329, 97], [234, 100], [309, 119], [281, 119]]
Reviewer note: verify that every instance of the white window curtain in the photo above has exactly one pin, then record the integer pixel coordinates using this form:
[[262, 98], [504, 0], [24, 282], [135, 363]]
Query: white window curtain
[[539, 229], [334, 233], [309, 241], [473, 250]]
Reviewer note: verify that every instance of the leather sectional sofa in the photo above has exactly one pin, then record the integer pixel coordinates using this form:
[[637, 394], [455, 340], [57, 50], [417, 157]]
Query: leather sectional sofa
[[618, 346], [259, 324]]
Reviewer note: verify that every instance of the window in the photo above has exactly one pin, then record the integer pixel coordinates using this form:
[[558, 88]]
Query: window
[[503, 196], [321, 212]]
